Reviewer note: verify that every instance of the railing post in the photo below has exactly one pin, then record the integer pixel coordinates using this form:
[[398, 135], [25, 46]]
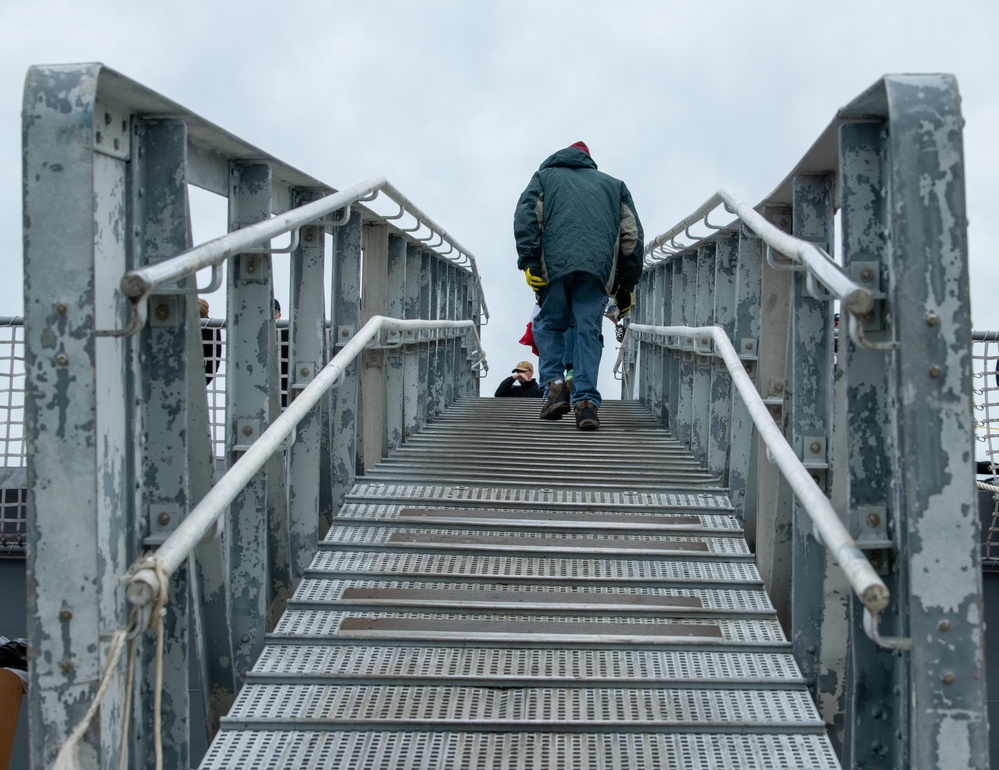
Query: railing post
[[742, 481], [818, 630], [876, 682], [412, 357], [726, 259], [372, 368], [703, 273], [672, 357], [937, 530], [773, 543], [394, 368], [80, 535], [346, 310], [164, 492], [251, 351], [652, 356], [308, 343], [686, 305]]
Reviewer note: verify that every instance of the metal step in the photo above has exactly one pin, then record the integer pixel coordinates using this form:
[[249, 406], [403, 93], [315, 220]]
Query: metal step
[[469, 611]]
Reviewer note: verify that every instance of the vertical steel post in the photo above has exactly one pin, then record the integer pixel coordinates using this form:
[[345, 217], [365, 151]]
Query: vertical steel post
[[372, 369], [723, 315], [877, 702], [159, 212], [815, 583], [250, 353], [395, 308], [937, 529], [72, 176], [773, 544], [346, 322], [308, 341], [746, 338], [684, 415], [412, 353], [703, 273]]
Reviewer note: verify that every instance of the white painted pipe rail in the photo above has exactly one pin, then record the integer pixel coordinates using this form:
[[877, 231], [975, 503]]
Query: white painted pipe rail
[[138, 284], [829, 529], [143, 584], [856, 300]]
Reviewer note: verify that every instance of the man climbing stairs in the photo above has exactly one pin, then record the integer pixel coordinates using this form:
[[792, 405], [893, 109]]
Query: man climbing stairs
[[505, 592]]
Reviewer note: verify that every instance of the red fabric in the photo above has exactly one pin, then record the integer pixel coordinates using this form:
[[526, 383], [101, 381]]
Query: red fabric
[[528, 338], [581, 146]]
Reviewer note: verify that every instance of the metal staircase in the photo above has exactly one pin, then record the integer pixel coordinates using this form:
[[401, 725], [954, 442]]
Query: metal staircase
[[503, 592]]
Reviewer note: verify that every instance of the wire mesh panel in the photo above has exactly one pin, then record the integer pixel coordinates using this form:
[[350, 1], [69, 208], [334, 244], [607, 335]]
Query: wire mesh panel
[[13, 511], [985, 377]]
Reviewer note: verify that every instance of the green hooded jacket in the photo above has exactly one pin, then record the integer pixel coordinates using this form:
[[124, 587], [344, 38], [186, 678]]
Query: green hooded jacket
[[573, 217]]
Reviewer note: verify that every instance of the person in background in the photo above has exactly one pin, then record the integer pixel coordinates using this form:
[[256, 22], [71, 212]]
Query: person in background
[[521, 383], [579, 240]]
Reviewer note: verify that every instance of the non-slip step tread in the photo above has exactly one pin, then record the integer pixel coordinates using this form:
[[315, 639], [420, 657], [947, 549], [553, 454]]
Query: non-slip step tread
[[447, 537], [646, 667], [539, 569], [323, 706], [333, 591], [500, 626], [424, 749]]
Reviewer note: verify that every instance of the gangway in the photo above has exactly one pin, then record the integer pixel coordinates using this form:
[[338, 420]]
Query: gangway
[[469, 609], [768, 556]]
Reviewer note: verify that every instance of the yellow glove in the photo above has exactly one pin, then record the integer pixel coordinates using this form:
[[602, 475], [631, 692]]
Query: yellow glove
[[534, 279], [624, 299]]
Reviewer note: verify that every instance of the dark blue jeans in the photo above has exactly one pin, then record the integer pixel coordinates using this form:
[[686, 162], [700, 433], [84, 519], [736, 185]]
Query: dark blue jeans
[[578, 298]]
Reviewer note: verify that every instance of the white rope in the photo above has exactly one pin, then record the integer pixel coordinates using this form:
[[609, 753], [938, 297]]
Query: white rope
[[987, 487], [69, 755]]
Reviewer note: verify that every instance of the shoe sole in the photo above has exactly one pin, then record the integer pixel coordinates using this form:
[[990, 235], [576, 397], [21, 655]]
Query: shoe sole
[[588, 425], [555, 411]]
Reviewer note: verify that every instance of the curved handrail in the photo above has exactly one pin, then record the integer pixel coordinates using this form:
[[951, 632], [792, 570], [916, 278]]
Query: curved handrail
[[138, 284], [143, 581], [857, 300], [830, 531]]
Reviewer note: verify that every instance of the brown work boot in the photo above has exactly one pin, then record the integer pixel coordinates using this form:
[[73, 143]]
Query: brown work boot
[[586, 415], [556, 403]]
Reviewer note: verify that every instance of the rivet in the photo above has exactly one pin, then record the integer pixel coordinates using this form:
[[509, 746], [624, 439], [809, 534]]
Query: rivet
[[65, 614], [344, 333], [932, 319], [749, 366], [866, 274], [875, 559], [163, 519], [66, 666], [245, 639], [248, 431], [943, 625], [873, 520], [749, 346], [61, 308], [251, 267], [815, 446], [948, 677], [304, 372], [62, 359], [162, 312], [778, 387], [309, 237], [934, 371]]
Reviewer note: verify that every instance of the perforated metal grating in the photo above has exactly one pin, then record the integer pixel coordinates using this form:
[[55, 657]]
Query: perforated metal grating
[[323, 623], [449, 537], [535, 568], [560, 498], [720, 521], [700, 710], [423, 750], [430, 593], [647, 667]]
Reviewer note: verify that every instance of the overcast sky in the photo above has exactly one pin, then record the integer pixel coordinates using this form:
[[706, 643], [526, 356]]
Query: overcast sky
[[457, 101]]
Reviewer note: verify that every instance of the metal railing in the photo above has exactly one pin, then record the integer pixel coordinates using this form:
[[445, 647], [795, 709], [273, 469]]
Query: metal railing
[[859, 443], [124, 432]]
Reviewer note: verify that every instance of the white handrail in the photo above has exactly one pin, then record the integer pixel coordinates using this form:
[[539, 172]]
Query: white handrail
[[831, 532], [143, 582], [857, 300]]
